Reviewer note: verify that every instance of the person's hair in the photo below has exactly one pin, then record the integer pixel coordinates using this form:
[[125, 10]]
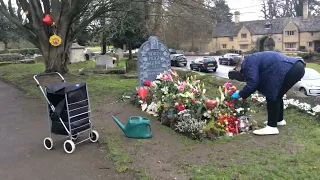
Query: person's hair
[[239, 63]]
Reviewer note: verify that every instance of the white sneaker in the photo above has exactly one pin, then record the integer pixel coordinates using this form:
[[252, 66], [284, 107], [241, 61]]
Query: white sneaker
[[266, 131], [281, 123]]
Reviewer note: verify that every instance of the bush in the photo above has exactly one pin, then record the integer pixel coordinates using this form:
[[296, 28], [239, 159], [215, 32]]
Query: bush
[[10, 57], [30, 51]]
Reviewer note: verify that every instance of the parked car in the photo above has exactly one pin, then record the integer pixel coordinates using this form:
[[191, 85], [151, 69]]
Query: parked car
[[172, 51], [178, 60], [310, 83], [204, 64], [301, 59], [229, 59]]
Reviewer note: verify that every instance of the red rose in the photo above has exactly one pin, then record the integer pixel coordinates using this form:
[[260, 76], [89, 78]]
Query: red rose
[[181, 108], [230, 93], [231, 106], [254, 100], [233, 100], [147, 83]]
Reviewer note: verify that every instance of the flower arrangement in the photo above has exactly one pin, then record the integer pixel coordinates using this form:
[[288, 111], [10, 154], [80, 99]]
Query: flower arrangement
[[184, 106], [256, 98]]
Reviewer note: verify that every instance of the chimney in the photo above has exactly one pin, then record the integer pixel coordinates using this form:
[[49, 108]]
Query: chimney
[[305, 9], [236, 17]]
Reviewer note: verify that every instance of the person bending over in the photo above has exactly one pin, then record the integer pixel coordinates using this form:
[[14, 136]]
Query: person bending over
[[272, 74]]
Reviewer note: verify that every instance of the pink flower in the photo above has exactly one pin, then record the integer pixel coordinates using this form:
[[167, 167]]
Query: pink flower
[[227, 85], [182, 86], [167, 77]]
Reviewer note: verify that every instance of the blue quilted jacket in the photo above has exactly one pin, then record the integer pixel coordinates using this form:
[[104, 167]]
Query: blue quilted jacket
[[265, 72]]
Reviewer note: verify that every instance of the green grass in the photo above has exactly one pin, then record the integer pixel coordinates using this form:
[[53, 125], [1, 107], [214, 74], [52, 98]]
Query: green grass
[[98, 85], [98, 48], [314, 66], [291, 156]]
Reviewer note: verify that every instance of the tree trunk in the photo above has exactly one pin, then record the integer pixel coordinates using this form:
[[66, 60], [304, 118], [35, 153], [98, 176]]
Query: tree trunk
[[5, 45], [130, 52], [56, 58], [104, 38]]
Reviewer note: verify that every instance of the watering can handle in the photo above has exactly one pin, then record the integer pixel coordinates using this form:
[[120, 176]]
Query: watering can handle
[[136, 117]]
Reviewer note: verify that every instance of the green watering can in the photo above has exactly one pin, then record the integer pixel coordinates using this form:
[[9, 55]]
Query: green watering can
[[137, 127]]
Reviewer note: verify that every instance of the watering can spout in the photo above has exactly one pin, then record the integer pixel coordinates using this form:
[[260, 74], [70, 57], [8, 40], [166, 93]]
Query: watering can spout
[[121, 126]]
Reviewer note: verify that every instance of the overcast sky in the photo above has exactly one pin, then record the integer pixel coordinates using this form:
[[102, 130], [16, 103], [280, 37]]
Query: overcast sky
[[249, 9]]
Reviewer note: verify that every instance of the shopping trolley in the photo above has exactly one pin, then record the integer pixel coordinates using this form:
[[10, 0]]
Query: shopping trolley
[[69, 112]]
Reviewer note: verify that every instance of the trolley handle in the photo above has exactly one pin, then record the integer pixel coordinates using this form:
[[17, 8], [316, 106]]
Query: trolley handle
[[47, 74]]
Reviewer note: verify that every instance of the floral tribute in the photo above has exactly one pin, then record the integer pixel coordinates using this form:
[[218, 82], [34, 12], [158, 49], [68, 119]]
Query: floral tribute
[[184, 106]]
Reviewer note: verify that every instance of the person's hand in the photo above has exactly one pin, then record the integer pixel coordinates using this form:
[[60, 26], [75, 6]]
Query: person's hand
[[235, 95]]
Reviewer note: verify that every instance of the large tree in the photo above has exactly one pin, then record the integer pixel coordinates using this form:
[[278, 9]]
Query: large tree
[[288, 8], [8, 32], [129, 28], [71, 17]]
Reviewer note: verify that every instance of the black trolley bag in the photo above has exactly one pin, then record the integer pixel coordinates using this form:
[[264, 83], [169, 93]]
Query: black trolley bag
[[71, 105], [69, 112]]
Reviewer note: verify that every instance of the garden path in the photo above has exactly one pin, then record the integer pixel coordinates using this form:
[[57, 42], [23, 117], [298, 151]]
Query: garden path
[[22, 155]]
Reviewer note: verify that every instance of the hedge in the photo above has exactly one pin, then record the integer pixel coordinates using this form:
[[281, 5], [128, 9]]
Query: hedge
[[25, 51], [10, 57]]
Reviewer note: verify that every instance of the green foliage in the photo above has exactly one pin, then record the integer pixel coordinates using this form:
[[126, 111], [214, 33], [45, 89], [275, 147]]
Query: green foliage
[[25, 51], [8, 31], [129, 28], [10, 57]]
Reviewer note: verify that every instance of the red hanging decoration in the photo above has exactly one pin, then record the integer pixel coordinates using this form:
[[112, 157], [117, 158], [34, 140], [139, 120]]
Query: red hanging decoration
[[47, 20]]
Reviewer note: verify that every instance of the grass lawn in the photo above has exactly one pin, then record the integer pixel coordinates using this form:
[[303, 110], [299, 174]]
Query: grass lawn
[[314, 66], [294, 154], [98, 48]]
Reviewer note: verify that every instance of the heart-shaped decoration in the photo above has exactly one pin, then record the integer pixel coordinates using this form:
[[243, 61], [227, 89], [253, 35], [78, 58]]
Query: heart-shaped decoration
[[143, 92], [47, 20], [211, 104]]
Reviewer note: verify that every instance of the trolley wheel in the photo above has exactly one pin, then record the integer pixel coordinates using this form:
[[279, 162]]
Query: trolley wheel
[[94, 136], [74, 137], [69, 146], [48, 143]]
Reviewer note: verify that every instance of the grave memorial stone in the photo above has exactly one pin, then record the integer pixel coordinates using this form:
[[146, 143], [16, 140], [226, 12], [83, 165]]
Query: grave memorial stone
[[119, 54], [153, 59], [104, 62]]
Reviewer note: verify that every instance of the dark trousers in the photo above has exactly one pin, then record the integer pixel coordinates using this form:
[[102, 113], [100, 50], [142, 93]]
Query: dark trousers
[[275, 107]]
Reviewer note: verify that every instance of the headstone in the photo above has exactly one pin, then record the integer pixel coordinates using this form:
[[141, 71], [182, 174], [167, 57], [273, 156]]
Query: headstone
[[38, 58], [104, 62], [77, 53], [153, 59], [119, 54]]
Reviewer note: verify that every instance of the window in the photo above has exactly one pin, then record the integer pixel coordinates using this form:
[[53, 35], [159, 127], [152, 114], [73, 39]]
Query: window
[[231, 38], [224, 46], [311, 33], [267, 26], [244, 46], [309, 44], [290, 33], [291, 45], [243, 36]]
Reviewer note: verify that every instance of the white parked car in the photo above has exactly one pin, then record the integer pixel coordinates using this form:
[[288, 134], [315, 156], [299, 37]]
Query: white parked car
[[310, 83]]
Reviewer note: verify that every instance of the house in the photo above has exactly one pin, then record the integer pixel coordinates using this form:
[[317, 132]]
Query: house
[[283, 34]]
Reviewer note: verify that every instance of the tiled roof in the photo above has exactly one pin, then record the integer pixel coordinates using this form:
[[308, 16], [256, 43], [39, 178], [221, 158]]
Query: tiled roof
[[258, 27]]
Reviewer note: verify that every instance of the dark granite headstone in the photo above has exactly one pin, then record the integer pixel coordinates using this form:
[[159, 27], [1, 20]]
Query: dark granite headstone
[[153, 59]]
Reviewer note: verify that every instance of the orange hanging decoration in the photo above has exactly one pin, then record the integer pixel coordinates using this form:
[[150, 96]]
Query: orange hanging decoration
[[55, 40]]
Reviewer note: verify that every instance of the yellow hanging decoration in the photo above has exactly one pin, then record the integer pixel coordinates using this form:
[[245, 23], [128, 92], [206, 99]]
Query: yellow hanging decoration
[[55, 40]]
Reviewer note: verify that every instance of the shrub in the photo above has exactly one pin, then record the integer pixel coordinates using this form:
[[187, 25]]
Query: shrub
[[30, 51], [10, 57]]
